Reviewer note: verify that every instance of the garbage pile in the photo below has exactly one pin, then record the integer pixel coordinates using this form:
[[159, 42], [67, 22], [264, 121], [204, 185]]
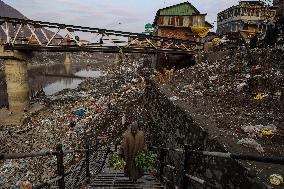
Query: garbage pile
[[96, 108], [238, 99]]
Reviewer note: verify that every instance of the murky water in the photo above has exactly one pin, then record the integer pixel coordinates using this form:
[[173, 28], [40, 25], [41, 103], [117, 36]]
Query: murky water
[[70, 83], [52, 79]]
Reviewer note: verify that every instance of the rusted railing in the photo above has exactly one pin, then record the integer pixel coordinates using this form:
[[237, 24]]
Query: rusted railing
[[185, 175], [78, 174]]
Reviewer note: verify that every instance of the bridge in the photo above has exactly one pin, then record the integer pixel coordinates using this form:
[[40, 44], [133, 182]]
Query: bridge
[[20, 36], [29, 35]]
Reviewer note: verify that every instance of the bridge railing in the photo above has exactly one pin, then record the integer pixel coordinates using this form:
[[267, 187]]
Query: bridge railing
[[76, 175], [187, 153], [20, 34]]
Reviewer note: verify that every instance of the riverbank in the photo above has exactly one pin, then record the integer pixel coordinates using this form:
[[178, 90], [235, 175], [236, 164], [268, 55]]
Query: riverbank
[[103, 101], [238, 104], [192, 108], [42, 64]]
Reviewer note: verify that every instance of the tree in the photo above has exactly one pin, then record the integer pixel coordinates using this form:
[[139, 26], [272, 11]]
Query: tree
[[148, 29]]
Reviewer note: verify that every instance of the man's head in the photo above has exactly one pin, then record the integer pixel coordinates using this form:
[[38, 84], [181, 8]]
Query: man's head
[[134, 127]]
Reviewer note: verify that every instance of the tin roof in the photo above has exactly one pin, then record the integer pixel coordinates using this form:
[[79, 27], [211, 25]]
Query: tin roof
[[181, 9]]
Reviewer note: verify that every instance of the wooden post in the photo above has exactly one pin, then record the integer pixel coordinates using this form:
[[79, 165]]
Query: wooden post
[[60, 166], [163, 154], [88, 175], [185, 167]]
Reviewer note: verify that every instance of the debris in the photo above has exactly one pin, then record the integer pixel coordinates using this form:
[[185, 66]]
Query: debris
[[276, 179], [256, 130], [174, 98], [94, 107], [266, 132], [260, 96], [241, 86], [251, 143]]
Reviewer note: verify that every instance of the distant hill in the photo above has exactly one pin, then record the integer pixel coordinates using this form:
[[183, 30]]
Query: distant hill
[[8, 11]]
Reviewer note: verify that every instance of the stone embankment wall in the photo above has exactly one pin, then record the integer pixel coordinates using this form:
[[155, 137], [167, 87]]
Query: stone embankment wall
[[170, 126]]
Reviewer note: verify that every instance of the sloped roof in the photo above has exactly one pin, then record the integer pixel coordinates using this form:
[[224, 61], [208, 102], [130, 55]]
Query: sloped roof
[[196, 12], [178, 5]]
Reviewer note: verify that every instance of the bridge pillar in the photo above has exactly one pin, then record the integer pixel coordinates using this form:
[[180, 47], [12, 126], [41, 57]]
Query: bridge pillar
[[67, 63], [16, 80]]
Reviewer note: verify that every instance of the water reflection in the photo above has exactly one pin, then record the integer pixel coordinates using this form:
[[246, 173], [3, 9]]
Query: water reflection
[[88, 73], [67, 69], [38, 79], [66, 83], [70, 83]]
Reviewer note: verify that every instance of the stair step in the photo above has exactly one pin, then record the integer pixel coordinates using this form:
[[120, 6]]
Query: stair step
[[118, 187], [115, 179], [112, 184], [111, 180]]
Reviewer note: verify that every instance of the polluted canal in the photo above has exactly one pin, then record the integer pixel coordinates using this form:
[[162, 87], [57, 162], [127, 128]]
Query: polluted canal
[[199, 105]]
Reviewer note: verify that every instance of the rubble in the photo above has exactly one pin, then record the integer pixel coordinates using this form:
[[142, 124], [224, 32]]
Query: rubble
[[219, 96], [236, 100], [251, 143], [95, 108]]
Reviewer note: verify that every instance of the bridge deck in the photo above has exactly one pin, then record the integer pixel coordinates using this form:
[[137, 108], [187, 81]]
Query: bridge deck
[[105, 49], [30, 35]]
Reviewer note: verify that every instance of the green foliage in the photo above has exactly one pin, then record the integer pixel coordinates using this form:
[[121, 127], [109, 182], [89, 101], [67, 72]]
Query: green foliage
[[145, 160], [148, 29], [116, 162]]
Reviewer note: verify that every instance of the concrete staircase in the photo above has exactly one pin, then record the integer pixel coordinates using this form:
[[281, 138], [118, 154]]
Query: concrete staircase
[[116, 180]]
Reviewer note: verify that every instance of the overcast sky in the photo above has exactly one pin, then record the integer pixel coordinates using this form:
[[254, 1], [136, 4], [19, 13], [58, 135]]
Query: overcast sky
[[132, 14]]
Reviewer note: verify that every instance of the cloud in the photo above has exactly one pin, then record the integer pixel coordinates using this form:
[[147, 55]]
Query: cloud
[[133, 14]]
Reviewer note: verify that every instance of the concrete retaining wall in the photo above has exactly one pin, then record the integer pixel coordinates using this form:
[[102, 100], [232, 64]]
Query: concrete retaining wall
[[171, 127]]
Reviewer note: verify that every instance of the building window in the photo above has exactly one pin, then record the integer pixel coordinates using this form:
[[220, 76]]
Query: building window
[[257, 13], [180, 21], [245, 12], [172, 21], [161, 20], [166, 20]]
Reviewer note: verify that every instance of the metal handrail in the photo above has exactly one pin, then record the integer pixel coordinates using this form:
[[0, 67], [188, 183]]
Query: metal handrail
[[168, 149], [89, 29], [201, 181], [7, 156], [263, 159], [59, 153], [4, 156], [187, 151]]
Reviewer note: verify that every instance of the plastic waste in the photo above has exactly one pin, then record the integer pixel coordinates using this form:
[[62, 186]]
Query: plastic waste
[[276, 179], [251, 143], [174, 98], [257, 130], [26, 185], [260, 96], [80, 112], [241, 86]]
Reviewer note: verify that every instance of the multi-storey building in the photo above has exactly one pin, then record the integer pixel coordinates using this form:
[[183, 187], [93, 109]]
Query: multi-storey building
[[248, 16], [179, 21]]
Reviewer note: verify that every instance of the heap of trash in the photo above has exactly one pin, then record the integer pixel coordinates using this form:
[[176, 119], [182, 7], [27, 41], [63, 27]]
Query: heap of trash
[[95, 108], [238, 99]]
